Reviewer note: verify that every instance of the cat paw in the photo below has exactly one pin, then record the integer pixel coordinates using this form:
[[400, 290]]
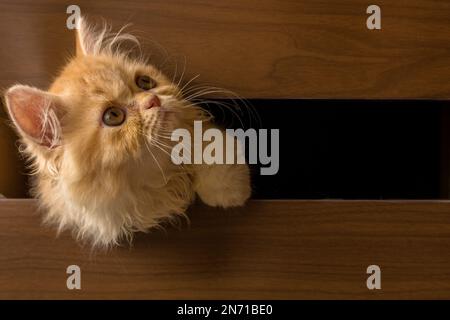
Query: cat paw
[[224, 186]]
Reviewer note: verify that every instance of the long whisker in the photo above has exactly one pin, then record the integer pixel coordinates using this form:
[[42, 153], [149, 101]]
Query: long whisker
[[189, 82], [161, 146], [169, 147], [156, 161], [182, 75], [198, 91], [221, 104]]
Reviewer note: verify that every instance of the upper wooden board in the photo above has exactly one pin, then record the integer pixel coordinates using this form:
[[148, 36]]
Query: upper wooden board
[[256, 48]]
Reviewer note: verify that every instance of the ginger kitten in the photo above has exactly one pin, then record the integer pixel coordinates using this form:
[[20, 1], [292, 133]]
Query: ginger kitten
[[98, 142]]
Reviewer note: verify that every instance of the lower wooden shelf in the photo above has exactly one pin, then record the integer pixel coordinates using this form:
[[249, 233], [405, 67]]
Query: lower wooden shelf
[[267, 250]]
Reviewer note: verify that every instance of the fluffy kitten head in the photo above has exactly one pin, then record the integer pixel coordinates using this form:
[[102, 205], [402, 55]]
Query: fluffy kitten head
[[98, 140]]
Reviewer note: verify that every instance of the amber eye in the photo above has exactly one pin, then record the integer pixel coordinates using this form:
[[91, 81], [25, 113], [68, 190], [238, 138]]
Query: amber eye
[[113, 116], [145, 82]]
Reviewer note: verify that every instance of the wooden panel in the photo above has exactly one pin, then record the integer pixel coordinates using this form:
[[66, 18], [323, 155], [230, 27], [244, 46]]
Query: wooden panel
[[257, 48], [268, 250], [12, 177]]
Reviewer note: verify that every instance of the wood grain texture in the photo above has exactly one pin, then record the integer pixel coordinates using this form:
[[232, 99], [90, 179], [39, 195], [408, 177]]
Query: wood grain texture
[[257, 48], [13, 181], [267, 250]]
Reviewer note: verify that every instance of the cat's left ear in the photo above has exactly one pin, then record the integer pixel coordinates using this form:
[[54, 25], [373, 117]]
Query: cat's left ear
[[36, 114]]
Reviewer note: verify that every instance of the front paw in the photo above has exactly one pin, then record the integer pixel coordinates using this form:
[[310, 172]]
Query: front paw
[[225, 186]]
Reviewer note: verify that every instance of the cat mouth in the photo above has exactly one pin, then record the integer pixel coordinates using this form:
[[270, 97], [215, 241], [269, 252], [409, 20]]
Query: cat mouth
[[161, 114], [165, 114], [163, 120]]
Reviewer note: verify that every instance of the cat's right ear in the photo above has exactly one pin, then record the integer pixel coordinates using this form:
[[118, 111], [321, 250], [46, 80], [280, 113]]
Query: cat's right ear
[[85, 38], [36, 114], [79, 30]]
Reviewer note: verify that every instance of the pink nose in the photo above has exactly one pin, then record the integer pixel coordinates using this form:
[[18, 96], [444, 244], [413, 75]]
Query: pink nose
[[152, 102]]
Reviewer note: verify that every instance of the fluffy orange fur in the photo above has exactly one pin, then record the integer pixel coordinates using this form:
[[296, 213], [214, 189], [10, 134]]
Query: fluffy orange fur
[[104, 183]]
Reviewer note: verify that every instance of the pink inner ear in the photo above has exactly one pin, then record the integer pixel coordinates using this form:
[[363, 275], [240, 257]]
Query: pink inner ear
[[27, 107]]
